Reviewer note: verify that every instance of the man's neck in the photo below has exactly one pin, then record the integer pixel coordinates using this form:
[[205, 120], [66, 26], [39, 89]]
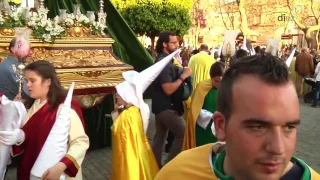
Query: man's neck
[[165, 51], [13, 56], [228, 170]]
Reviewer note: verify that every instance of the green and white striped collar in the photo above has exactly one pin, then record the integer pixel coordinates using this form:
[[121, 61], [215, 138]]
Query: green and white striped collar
[[218, 154]]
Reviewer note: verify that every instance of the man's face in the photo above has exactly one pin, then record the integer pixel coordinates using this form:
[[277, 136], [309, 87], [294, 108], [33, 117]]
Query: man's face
[[261, 132], [216, 81], [172, 45]]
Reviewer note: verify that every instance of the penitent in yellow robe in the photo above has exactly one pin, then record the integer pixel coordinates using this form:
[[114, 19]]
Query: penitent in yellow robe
[[132, 156], [196, 105], [293, 73], [200, 65]]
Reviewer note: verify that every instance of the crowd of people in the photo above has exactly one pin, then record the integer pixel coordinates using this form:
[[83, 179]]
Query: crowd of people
[[218, 120]]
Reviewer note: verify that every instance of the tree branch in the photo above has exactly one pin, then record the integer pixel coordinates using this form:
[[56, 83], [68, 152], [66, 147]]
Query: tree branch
[[311, 29], [225, 25], [228, 13], [300, 25], [244, 22], [312, 10]]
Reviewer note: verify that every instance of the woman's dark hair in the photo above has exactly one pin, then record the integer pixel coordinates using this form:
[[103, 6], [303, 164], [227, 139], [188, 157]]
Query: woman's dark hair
[[47, 71], [164, 37], [217, 69]]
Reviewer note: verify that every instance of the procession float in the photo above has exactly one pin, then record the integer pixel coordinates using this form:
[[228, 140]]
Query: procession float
[[76, 44]]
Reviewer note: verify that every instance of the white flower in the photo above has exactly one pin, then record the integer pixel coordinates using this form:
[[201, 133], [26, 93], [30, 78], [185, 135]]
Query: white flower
[[47, 37], [1, 19]]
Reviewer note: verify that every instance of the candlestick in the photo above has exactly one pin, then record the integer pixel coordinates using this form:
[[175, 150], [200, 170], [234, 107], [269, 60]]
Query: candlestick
[[102, 16], [76, 10], [228, 48], [27, 3], [19, 72], [41, 4], [62, 15], [26, 13], [91, 16]]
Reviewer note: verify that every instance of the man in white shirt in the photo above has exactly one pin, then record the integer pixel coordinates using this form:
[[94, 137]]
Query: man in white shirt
[[317, 86]]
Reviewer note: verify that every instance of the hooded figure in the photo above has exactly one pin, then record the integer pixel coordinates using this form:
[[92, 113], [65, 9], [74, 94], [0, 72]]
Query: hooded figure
[[12, 116], [129, 139]]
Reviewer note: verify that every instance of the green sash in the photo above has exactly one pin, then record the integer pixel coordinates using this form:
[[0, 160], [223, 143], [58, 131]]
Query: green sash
[[217, 162], [205, 136]]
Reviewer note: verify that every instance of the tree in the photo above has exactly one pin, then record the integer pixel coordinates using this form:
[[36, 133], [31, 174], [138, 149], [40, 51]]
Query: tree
[[234, 8], [308, 12], [150, 17]]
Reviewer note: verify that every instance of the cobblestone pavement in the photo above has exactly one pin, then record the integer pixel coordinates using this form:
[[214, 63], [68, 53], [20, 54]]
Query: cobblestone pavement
[[97, 164]]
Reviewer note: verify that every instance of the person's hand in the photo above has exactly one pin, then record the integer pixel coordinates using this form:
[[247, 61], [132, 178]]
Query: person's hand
[[19, 98], [54, 172], [186, 72], [10, 138]]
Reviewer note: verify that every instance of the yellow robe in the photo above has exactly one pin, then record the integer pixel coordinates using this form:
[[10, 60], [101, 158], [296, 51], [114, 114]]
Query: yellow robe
[[78, 142], [197, 101], [200, 65], [194, 164], [132, 155], [293, 73]]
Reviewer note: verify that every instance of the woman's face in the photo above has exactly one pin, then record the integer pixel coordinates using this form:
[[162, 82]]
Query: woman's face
[[120, 101], [37, 87]]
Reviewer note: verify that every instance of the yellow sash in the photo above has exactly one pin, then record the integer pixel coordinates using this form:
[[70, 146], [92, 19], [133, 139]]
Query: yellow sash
[[197, 101]]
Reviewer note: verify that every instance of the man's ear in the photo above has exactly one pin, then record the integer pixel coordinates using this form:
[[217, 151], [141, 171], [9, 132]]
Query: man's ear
[[220, 125], [164, 44]]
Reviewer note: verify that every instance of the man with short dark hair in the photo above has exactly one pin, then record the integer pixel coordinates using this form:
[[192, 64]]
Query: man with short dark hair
[[200, 127], [241, 53], [257, 117], [8, 80], [166, 106]]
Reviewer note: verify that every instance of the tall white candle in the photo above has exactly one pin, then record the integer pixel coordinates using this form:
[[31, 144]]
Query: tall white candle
[[30, 3], [91, 16], [62, 14], [26, 13]]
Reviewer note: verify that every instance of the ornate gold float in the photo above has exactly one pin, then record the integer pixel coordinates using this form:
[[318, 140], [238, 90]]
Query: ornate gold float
[[79, 57]]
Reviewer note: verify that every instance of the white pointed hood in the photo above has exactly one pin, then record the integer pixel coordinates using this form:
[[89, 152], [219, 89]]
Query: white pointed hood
[[289, 60], [230, 37], [68, 99], [135, 84], [273, 46], [220, 50], [244, 44], [253, 52]]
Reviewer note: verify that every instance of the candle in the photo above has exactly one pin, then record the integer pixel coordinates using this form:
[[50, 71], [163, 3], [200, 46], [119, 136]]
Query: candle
[[27, 3], [6, 5], [63, 14], [91, 16], [76, 10], [26, 13]]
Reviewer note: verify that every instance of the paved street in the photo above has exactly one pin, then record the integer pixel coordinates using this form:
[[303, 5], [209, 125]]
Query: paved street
[[97, 165]]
